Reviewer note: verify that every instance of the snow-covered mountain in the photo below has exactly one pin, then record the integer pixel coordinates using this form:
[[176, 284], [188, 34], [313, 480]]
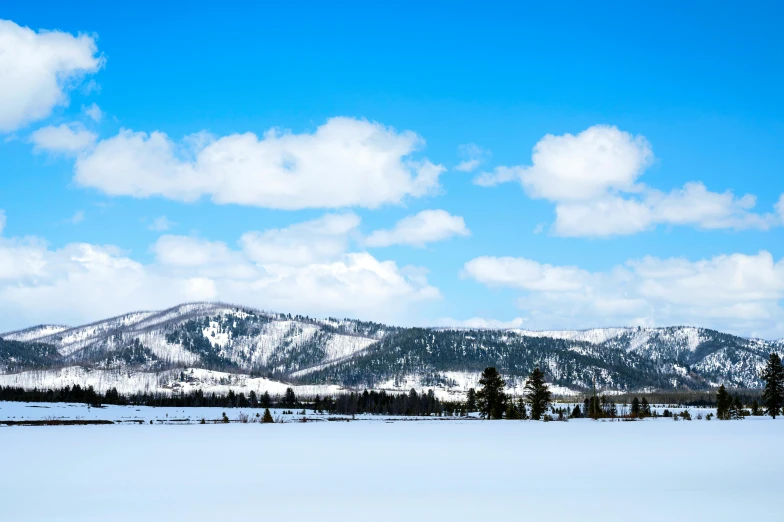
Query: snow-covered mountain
[[218, 347], [205, 334]]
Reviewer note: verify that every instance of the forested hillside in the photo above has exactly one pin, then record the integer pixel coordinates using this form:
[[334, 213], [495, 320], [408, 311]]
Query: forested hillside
[[237, 341]]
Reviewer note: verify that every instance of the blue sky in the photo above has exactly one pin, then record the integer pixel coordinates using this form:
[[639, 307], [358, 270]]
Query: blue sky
[[411, 178]]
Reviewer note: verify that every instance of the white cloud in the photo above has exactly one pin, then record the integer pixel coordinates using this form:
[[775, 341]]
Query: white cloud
[[692, 205], [66, 138], [739, 293], [317, 241], [480, 323], [37, 69], [474, 156], [161, 224], [780, 208], [2, 220], [345, 162], [77, 218], [580, 167], [94, 112], [425, 227], [38, 284], [593, 180]]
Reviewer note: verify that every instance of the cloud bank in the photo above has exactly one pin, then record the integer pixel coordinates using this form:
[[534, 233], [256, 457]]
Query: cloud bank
[[305, 268], [737, 292]]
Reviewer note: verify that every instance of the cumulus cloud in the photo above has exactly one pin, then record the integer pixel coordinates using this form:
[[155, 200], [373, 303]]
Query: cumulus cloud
[[692, 205], [579, 167], [317, 241], [472, 155], [738, 292], [38, 283], [593, 180], [68, 138], [417, 230], [345, 162], [37, 69]]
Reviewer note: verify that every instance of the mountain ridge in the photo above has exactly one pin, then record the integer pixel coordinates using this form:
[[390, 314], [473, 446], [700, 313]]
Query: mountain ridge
[[332, 353]]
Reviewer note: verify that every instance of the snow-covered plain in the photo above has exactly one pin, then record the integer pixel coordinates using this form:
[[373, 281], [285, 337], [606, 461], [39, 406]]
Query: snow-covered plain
[[381, 471]]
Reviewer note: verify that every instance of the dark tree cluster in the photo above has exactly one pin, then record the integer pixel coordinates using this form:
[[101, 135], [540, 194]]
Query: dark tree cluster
[[493, 402], [411, 403], [196, 398], [68, 394], [18, 356], [729, 407]]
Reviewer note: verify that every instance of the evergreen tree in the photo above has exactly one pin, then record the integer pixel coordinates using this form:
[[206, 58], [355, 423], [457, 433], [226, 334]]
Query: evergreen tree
[[723, 403], [645, 408], [267, 418], [491, 398], [635, 407], [512, 413], [593, 408], [289, 399], [576, 413], [471, 400], [521, 409], [266, 402], [755, 409], [737, 408], [538, 394], [732, 410], [773, 396]]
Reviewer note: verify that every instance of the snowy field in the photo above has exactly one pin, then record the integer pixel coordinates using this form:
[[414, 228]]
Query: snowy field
[[392, 471], [20, 411]]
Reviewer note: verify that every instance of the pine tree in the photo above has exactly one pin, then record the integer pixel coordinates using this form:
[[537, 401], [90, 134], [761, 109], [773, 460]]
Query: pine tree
[[734, 411], [645, 408], [267, 418], [521, 409], [491, 398], [289, 399], [723, 403], [471, 400], [512, 413], [773, 396], [635, 407], [593, 409], [538, 394], [576, 413], [738, 408]]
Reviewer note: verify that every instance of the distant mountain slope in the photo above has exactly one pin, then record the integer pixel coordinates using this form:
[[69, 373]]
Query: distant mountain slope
[[347, 353], [34, 333], [209, 335], [18, 356]]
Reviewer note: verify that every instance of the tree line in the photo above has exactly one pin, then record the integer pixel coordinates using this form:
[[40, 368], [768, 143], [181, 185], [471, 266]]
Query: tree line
[[491, 400]]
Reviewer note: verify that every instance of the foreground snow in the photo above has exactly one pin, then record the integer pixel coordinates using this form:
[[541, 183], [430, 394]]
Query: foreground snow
[[401, 471]]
